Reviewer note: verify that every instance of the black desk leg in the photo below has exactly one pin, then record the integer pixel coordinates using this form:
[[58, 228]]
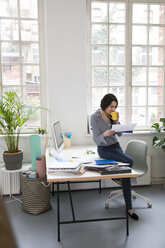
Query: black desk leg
[[58, 211], [127, 220], [127, 216], [52, 188], [99, 185], [71, 202]]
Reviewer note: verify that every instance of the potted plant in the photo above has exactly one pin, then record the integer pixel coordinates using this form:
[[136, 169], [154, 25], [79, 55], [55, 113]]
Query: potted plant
[[43, 131], [13, 115], [39, 130], [159, 128]]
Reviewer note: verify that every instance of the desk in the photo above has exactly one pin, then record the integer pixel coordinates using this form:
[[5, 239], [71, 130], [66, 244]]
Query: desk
[[88, 175]]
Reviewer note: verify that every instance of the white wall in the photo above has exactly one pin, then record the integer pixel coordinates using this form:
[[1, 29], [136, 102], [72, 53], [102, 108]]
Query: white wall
[[66, 50]]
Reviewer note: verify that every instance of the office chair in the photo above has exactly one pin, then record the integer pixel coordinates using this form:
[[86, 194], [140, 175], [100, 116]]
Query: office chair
[[137, 149]]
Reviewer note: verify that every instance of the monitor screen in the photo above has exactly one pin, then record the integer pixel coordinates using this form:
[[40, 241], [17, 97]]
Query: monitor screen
[[57, 135]]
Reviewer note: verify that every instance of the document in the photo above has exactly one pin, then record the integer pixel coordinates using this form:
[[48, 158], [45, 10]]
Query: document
[[64, 165], [123, 127]]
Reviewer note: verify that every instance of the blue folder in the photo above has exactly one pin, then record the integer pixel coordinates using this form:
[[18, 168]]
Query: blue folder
[[104, 161]]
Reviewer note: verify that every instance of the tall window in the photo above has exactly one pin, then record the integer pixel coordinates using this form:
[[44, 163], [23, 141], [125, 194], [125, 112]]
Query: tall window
[[19, 50], [127, 45]]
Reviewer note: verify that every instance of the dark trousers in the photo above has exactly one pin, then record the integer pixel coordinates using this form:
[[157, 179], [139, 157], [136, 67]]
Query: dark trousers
[[115, 152]]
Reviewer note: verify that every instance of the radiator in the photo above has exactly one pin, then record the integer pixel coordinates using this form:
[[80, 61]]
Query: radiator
[[10, 182], [144, 180]]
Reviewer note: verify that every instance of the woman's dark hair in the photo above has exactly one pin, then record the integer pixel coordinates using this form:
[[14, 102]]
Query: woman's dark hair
[[107, 100]]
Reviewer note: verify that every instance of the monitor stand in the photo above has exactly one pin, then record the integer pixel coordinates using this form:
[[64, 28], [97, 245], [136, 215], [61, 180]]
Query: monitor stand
[[53, 152]]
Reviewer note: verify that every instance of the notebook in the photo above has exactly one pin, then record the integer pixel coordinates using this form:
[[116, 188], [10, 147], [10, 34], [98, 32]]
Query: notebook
[[100, 167], [104, 161], [120, 170]]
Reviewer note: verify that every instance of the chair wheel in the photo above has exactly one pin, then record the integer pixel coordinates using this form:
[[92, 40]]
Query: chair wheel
[[106, 205], [134, 197], [149, 205], [110, 196]]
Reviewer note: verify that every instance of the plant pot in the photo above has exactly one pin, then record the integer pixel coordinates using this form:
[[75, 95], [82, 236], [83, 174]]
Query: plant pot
[[13, 161]]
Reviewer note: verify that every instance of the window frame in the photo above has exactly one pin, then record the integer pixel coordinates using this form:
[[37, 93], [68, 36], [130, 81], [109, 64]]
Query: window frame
[[41, 64], [128, 58]]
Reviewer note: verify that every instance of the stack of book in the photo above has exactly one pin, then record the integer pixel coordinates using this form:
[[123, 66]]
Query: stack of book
[[103, 166], [106, 167]]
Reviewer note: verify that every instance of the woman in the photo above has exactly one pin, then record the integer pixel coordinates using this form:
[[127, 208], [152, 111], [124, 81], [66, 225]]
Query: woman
[[108, 146]]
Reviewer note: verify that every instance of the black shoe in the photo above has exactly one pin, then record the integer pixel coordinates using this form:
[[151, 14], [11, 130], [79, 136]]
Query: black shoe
[[134, 216]]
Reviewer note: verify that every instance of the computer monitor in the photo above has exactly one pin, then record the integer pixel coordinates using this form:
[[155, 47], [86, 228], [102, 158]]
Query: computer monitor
[[57, 136]]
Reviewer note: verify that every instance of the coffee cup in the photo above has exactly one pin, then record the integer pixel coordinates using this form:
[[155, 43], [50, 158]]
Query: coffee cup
[[114, 116]]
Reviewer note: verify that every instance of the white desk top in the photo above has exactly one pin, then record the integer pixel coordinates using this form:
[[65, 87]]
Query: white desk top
[[88, 175], [78, 151]]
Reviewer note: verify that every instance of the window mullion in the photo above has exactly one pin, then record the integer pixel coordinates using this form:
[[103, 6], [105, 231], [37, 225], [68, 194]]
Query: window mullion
[[108, 65], [163, 111], [20, 45], [43, 115], [0, 71], [89, 61], [128, 62], [148, 30]]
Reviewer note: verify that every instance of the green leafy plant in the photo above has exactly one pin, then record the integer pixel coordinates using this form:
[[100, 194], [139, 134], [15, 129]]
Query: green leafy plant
[[43, 131], [39, 130], [13, 115], [159, 129]]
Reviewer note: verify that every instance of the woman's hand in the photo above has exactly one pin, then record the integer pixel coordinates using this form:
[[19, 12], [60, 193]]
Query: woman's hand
[[117, 121], [108, 133]]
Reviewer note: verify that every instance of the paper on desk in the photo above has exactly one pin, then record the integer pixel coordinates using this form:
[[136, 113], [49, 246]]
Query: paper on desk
[[64, 165], [123, 127]]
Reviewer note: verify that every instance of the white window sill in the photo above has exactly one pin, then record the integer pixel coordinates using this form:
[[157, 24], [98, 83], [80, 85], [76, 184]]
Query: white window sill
[[29, 134]]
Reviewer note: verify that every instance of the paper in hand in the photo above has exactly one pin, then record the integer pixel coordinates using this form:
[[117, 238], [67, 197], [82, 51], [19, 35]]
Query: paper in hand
[[123, 127]]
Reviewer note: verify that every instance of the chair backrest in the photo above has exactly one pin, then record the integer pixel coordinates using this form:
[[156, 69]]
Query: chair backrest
[[137, 149]]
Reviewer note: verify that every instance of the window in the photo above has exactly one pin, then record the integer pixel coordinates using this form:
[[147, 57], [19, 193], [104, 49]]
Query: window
[[19, 49], [126, 54]]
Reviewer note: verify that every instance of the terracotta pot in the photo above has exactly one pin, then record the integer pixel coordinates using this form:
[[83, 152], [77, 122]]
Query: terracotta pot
[[41, 168], [13, 161]]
